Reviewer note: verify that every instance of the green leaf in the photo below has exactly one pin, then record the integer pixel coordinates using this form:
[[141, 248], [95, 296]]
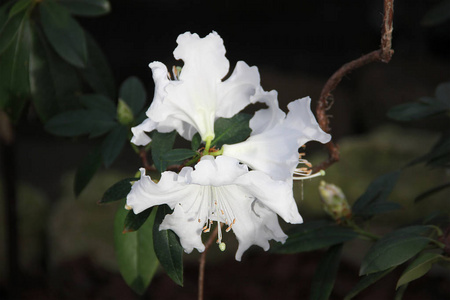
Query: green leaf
[[113, 144], [314, 235], [324, 277], [395, 248], [14, 71], [168, 248], [132, 91], [419, 267], [87, 8], [175, 156], [161, 144], [97, 72], [80, 122], [134, 221], [54, 84], [86, 170], [438, 14], [20, 6], [118, 191], [366, 281], [11, 30], [196, 141], [135, 252], [373, 200], [443, 93], [232, 130], [98, 102], [439, 155], [432, 191], [63, 33], [416, 110], [4, 16]]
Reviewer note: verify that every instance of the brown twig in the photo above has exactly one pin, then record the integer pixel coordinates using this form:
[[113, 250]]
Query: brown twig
[[150, 168], [201, 273], [383, 54]]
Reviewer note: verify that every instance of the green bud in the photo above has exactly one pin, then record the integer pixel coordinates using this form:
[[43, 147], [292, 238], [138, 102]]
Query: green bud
[[334, 202], [124, 113]]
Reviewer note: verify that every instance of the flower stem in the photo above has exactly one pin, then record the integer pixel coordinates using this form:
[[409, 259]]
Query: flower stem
[[207, 145], [361, 231], [201, 274]]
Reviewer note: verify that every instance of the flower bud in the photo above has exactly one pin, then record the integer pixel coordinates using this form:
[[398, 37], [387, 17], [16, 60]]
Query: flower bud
[[124, 113], [334, 202]]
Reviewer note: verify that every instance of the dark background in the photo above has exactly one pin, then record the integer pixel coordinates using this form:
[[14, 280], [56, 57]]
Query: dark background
[[296, 45]]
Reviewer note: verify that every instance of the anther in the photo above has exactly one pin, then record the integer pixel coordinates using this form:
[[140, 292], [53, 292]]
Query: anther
[[127, 207]]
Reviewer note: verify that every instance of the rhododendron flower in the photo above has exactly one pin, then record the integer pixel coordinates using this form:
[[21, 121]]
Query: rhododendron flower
[[198, 96], [219, 190], [275, 139]]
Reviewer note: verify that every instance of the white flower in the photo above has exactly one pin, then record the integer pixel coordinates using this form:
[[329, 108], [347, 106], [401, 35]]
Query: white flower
[[273, 144], [223, 190], [193, 102]]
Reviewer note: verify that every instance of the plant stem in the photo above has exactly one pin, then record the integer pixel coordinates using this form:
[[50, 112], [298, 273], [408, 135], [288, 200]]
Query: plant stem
[[201, 274], [361, 231]]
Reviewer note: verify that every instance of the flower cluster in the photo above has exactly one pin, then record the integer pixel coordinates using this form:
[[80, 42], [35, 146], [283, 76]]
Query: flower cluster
[[249, 183]]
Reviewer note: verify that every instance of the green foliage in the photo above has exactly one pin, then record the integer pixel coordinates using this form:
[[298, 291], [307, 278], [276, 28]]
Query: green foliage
[[135, 252], [87, 8], [63, 32], [86, 170], [366, 281], [325, 275], [168, 248], [395, 248], [118, 191], [176, 156], [132, 91], [232, 130], [374, 199], [161, 144], [134, 221], [419, 267], [314, 235]]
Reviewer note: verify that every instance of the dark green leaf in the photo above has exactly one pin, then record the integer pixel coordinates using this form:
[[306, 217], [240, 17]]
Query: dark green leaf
[[432, 191], [416, 110], [97, 72], [400, 292], [118, 191], [20, 6], [177, 155], [443, 93], [98, 102], [11, 29], [314, 235], [161, 144], [87, 8], [132, 91], [419, 267], [80, 122], [4, 13], [374, 198], [439, 155], [232, 130], [135, 252], [54, 83], [366, 281], [113, 144], [168, 248], [86, 170], [134, 221], [395, 248], [63, 33], [324, 277], [14, 72], [196, 141], [438, 14]]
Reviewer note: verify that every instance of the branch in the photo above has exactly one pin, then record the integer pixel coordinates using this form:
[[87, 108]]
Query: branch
[[383, 54], [201, 274]]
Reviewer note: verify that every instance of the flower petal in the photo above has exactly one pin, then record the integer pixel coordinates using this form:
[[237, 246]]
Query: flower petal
[[140, 138], [275, 150]]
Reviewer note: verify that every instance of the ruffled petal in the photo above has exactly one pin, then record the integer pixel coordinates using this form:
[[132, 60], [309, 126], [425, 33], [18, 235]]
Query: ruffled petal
[[261, 227], [140, 138], [234, 94], [169, 190], [275, 150], [268, 118], [189, 230]]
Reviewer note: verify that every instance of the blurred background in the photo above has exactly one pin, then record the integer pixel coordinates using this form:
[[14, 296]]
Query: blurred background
[[66, 243]]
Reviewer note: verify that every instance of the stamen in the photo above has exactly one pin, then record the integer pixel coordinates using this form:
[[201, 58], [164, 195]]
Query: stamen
[[127, 207], [222, 246], [320, 173]]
